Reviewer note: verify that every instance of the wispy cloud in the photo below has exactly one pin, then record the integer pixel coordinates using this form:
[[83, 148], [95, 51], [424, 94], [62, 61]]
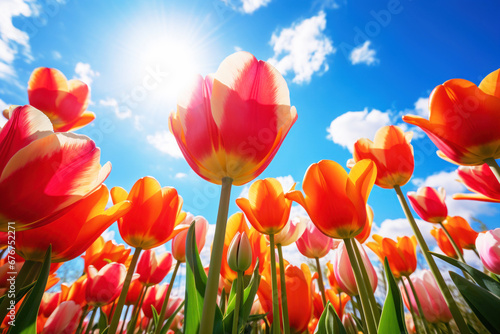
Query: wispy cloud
[[302, 48], [165, 142], [250, 6], [121, 112], [363, 55], [85, 73]]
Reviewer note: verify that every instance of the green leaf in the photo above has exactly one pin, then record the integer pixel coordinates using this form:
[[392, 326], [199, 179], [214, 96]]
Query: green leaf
[[479, 277], [24, 290], [392, 319], [103, 321], [482, 302], [28, 313], [170, 320], [329, 322], [156, 317], [196, 281]]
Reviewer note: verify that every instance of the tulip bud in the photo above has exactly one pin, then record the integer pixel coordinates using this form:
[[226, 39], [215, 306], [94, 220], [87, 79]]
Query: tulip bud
[[239, 256], [349, 324]]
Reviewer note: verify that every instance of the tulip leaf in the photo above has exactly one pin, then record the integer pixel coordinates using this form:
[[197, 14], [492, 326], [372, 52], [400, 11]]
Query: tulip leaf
[[482, 302], [103, 321], [329, 322], [156, 317], [170, 320], [392, 319], [25, 320], [479, 277], [196, 281]]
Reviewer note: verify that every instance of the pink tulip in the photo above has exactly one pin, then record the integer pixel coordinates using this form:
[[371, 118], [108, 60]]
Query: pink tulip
[[313, 243], [105, 285], [481, 181], [429, 204], [292, 231], [153, 270], [50, 301], [488, 247], [155, 298], [431, 299], [343, 269], [179, 241], [64, 319]]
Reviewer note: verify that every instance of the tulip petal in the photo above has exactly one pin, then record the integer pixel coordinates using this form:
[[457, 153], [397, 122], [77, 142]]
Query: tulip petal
[[363, 175], [491, 83]]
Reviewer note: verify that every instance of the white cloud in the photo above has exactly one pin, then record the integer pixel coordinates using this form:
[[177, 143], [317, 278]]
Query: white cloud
[[302, 48], [85, 73], [400, 227], [165, 142], [250, 6], [109, 234], [205, 252], [346, 129], [121, 112], [363, 55], [422, 107], [180, 175], [13, 40], [3, 106]]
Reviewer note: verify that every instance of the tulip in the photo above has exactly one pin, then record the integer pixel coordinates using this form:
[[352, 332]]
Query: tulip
[[50, 300], [64, 319], [392, 152], [232, 123], [292, 231], [488, 247], [410, 324], [334, 285], [368, 227], [401, 255], [343, 270], [179, 241], [444, 243], [338, 301], [461, 231], [349, 324], [155, 297], [313, 243], [429, 204], [266, 207], [103, 252], [334, 200], [239, 256], [73, 232], [431, 299], [75, 292], [104, 286], [462, 120], [43, 173], [153, 270], [481, 181], [134, 292]]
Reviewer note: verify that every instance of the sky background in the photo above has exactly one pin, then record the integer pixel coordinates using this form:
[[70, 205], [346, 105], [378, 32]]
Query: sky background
[[351, 67]]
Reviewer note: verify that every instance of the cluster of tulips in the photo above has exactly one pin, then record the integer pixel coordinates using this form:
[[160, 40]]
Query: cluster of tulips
[[229, 126]]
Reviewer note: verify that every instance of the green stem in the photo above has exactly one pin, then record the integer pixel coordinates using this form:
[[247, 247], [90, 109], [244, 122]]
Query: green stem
[[448, 327], [137, 310], [284, 300], [476, 252], [360, 311], [462, 326], [84, 314], [167, 296], [321, 285], [371, 327], [239, 295], [150, 323], [494, 167], [276, 308], [366, 282], [412, 312], [123, 295], [91, 321], [124, 318], [210, 300], [453, 243], [419, 306]]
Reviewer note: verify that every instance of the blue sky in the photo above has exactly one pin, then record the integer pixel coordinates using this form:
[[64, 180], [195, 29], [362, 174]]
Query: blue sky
[[351, 67]]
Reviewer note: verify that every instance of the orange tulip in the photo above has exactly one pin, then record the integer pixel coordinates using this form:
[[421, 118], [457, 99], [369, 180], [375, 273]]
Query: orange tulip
[[481, 181], [155, 214], [266, 208], [134, 291], [64, 102], [335, 200], [444, 243], [75, 292], [338, 303], [231, 124], [463, 120], [101, 252], [392, 152], [461, 232], [368, 227], [331, 277], [71, 234], [401, 255], [429, 204], [43, 173]]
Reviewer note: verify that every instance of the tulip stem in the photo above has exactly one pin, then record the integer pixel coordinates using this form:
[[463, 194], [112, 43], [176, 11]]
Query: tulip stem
[[274, 279], [461, 324], [284, 301], [448, 327], [91, 321], [82, 317], [124, 318], [419, 306], [453, 243], [321, 285], [136, 310], [167, 296], [123, 294], [239, 295], [210, 301], [412, 311], [358, 307], [371, 327], [494, 167]]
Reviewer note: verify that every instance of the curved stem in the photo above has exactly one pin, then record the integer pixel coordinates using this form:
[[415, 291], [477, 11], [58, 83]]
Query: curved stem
[[494, 167], [321, 285], [239, 295], [453, 243], [210, 300], [284, 301], [123, 295], [91, 321], [124, 318], [167, 296], [412, 312], [363, 294], [274, 279], [462, 326]]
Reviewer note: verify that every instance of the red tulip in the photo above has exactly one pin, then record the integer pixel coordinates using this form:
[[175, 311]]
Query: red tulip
[[155, 298], [134, 291], [429, 204], [179, 241], [313, 243], [153, 270], [41, 172], [50, 300], [105, 285], [367, 230], [481, 181], [64, 320], [232, 123]]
